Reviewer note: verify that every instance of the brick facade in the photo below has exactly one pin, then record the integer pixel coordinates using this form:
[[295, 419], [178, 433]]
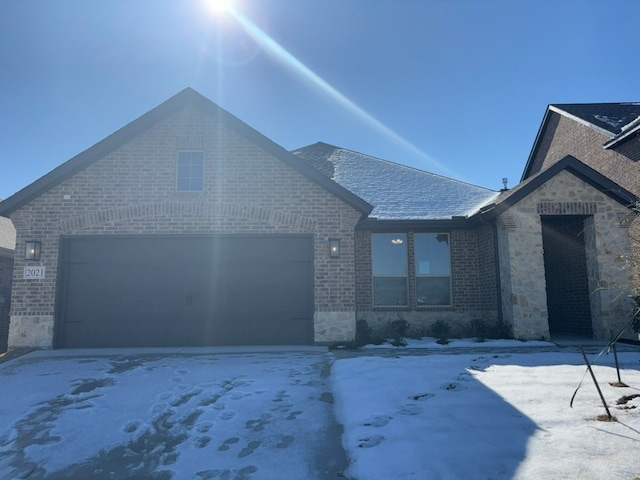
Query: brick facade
[[132, 191], [564, 136], [473, 279]]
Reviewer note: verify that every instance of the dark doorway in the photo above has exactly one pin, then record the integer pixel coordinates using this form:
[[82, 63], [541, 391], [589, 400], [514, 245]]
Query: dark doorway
[[565, 265]]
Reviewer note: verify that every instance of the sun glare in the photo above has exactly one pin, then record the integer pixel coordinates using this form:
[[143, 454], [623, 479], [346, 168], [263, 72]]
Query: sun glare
[[220, 7]]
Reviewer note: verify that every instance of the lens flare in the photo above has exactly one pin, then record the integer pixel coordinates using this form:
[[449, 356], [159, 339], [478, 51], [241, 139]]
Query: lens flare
[[283, 56]]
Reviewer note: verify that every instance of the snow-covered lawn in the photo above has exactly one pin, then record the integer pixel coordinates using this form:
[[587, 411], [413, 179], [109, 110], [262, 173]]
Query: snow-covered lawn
[[425, 415], [486, 416]]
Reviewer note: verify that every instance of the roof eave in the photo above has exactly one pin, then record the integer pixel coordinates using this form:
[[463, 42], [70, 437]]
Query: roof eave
[[416, 225], [536, 145], [577, 168], [582, 121], [623, 136]]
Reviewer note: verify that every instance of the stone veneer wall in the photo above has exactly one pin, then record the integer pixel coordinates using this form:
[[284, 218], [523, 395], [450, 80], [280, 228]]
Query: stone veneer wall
[[606, 245], [132, 191], [474, 286]]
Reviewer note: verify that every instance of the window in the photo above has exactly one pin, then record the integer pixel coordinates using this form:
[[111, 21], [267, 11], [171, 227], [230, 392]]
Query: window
[[190, 171], [389, 252], [433, 269]]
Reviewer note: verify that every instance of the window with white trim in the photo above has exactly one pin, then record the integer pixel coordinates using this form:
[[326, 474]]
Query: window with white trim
[[433, 269], [390, 269], [190, 176]]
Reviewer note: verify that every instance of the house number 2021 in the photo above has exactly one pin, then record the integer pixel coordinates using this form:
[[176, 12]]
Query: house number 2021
[[34, 273]]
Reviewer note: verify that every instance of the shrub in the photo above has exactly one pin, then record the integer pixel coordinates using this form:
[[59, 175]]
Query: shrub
[[440, 330], [365, 334], [635, 321], [394, 332], [478, 329], [416, 332]]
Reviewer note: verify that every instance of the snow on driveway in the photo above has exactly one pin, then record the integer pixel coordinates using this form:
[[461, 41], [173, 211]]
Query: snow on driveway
[[422, 414], [486, 416], [200, 416]]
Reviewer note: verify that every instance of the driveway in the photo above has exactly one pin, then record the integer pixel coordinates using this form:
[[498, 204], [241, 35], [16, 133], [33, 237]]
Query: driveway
[[169, 414]]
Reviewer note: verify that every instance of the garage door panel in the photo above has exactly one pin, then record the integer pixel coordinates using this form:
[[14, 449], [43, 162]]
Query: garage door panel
[[157, 291]]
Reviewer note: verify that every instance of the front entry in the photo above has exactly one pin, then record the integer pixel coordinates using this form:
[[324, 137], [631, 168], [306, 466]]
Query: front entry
[[565, 265]]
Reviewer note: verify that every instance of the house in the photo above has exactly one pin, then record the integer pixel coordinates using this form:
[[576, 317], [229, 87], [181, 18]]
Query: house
[[7, 246], [604, 136], [188, 227]]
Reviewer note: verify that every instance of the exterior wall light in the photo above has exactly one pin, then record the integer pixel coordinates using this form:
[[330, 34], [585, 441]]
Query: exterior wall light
[[334, 248], [32, 250]]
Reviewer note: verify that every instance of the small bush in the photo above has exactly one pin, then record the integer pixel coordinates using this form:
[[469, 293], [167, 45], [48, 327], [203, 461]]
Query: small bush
[[440, 330], [365, 334], [478, 329], [394, 332], [416, 332]]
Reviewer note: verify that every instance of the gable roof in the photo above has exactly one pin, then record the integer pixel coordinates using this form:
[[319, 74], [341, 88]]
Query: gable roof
[[185, 98], [607, 117], [571, 164], [396, 191], [615, 121]]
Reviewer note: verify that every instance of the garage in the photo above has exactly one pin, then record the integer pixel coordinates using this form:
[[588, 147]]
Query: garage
[[137, 291]]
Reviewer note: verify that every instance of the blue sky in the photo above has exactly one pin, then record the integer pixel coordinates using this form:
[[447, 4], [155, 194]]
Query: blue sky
[[455, 87]]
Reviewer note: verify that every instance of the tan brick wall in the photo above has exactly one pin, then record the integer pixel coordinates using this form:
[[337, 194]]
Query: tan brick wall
[[132, 191]]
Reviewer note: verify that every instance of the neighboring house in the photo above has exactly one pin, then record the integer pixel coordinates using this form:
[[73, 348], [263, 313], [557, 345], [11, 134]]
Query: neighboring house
[[605, 136], [188, 227], [7, 246]]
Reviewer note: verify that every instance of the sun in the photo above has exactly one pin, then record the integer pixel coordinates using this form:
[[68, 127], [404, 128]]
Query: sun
[[220, 7]]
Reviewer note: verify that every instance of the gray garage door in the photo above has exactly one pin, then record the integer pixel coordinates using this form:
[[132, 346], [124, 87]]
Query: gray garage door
[[176, 291]]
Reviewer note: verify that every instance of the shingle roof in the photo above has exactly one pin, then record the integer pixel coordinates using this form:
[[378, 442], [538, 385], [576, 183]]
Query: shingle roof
[[396, 191], [607, 116]]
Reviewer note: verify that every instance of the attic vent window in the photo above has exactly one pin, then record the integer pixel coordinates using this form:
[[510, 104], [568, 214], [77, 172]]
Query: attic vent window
[[190, 171]]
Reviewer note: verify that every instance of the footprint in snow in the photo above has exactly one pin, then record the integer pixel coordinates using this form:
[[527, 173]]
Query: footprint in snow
[[452, 386], [131, 426], [377, 421], [202, 441], [226, 445], [422, 396], [410, 409], [249, 449], [294, 415], [204, 427], [368, 441], [285, 441], [227, 415]]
